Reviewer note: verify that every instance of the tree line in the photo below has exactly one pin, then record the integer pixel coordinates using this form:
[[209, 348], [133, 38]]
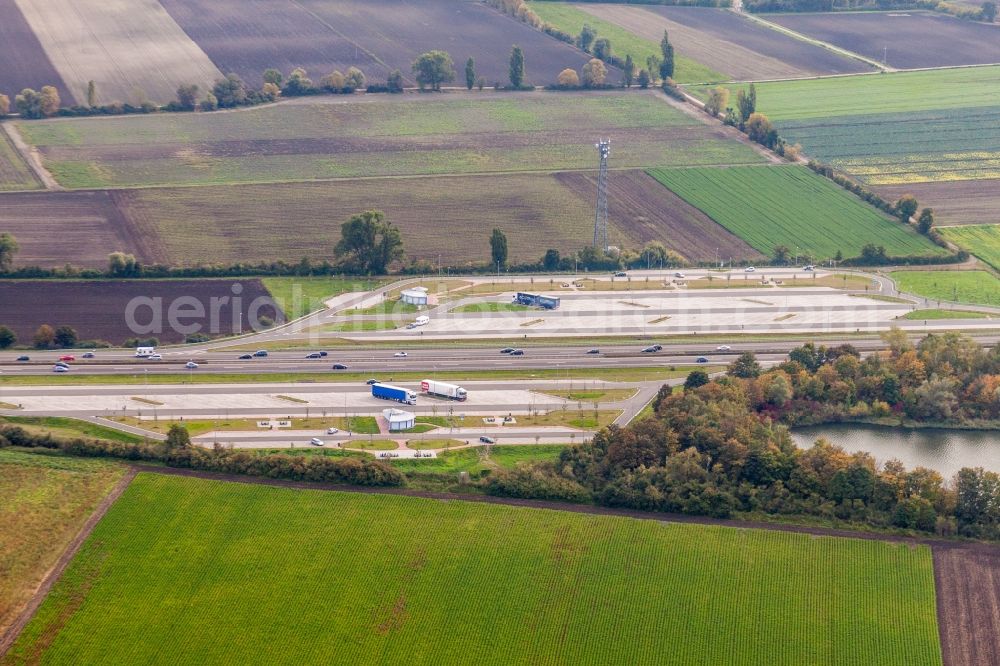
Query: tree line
[[722, 447]]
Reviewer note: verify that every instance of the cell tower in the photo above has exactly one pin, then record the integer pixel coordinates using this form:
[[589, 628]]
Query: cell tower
[[601, 213]]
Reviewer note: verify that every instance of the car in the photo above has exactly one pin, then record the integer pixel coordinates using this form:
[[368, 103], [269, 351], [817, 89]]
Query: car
[[593, 351], [400, 354], [678, 274], [190, 365], [23, 358], [339, 366], [648, 350], [749, 269], [658, 347], [565, 285], [62, 364], [67, 357], [371, 381], [411, 326], [507, 350], [723, 348], [89, 355], [246, 357], [809, 268], [313, 355], [60, 368], [322, 354], [621, 274], [155, 357], [487, 440], [517, 352], [260, 353], [332, 431], [701, 359], [316, 441]]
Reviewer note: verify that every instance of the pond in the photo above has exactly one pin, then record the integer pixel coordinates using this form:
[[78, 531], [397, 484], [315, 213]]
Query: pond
[[946, 451]]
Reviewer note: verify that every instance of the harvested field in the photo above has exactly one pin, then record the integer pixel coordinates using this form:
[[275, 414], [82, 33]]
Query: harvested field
[[968, 600], [643, 210], [529, 586], [954, 202], [727, 42], [379, 136], [982, 240], [907, 40], [131, 49], [25, 64], [98, 309], [14, 172], [59, 228], [792, 206]]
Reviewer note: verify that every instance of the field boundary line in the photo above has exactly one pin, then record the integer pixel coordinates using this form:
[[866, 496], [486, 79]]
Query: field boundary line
[[31, 157], [53, 575]]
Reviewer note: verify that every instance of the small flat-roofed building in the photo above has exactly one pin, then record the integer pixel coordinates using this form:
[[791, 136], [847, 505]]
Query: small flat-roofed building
[[399, 419], [415, 296]]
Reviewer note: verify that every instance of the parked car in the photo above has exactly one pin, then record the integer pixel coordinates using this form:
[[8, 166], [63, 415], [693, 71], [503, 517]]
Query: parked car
[[190, 365], [723, 348], [67, 357], [593, 351], [89, 355], [371, 381], [155, 357], [23, 358], [400, 354], [332, 431], [621, 274], [246, 357], [701, 359], [487, 440], [749, 269], [339, 366], [316, 441], [313, 355], [517, 352], [507, 350], [260, 352], [60, 368]]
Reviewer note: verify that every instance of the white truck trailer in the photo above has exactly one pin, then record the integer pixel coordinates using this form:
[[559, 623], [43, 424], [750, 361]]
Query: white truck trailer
[[444, 390]]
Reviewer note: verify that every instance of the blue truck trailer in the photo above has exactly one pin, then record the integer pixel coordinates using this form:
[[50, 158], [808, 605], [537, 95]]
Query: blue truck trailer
[[537, 300], [389, 392]]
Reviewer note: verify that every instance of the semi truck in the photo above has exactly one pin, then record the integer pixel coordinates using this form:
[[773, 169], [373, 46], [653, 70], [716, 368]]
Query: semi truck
[[536, 300], [389, 392], [451, 391]]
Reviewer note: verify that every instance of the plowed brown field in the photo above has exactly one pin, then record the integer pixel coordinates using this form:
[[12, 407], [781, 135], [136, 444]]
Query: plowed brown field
[[968, 600], [24, 63], [954, 202]]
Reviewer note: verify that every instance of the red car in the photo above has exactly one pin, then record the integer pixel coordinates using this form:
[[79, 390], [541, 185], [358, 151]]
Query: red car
[[67, 358]]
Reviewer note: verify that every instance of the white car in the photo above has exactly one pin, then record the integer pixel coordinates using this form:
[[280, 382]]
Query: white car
[[154, 357], [749, 269], [316, 441], [190, 365], [332, 431], [723, 348], [60, 368], [678, 274], [400, 354]]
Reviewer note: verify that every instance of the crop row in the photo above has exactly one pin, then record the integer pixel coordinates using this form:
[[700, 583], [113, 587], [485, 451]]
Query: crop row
[[923, 168], [982, 240], [191, 570]]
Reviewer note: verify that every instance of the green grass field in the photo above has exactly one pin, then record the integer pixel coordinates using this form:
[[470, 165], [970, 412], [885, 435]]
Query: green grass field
[[298, 296], [928, 315], [67, 428], [14, 172], [899, 92], [44, 501], [975, 287], [982, 240], [184, 570], [460, 134], [791, 206], [571, 20], [475, 461]]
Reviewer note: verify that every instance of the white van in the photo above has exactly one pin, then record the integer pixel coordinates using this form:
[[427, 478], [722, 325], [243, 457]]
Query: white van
[[422, 320], [143, 352]]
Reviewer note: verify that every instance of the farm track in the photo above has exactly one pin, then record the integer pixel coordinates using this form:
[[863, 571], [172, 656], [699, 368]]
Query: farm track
[[31, 157], [8, 638]]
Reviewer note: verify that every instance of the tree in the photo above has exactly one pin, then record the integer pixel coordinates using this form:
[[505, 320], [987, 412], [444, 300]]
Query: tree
[[760, 129], [8, 249], [781, 255], [988, 11], [653, 65], [91, 94], [643, 79], [594, 73], [272, 76], [586, 38], [122, 265], [355, 78], [906, 207], [4, 105], [695, 379], [550, 261], [270, 91], [332, 82], [568, 78], [718, 99], [177, 438], [470, 73], [629, 71], [299, 83], [395, 81], [370, 242], [516, 73], [745, 366], [874, 254], [210, 103], [498, 247], [29, 103], [50, 101], [433, 68], [667, 63], [7, 337], [926, 221], [602, 49], [187, 96], [44, 337], [747, 104], [230, 91], [65, 336]]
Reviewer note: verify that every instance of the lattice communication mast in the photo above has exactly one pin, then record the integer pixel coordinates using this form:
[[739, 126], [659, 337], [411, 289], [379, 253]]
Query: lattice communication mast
[[601, 213]]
